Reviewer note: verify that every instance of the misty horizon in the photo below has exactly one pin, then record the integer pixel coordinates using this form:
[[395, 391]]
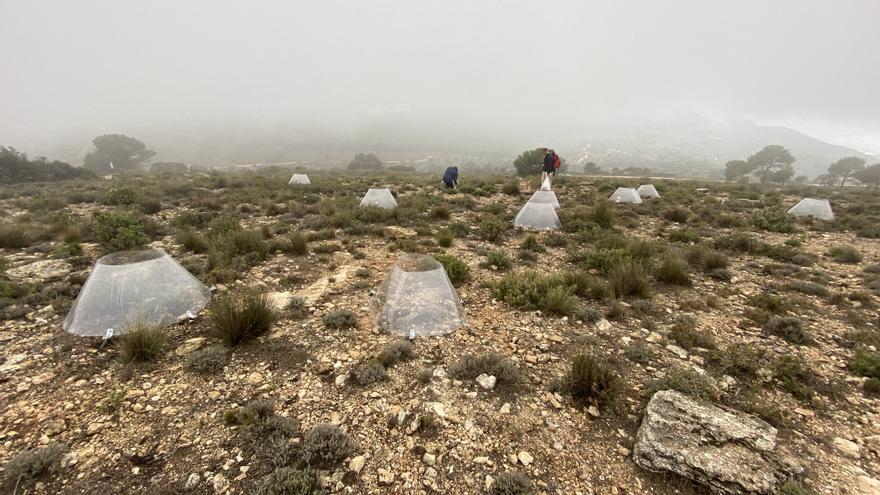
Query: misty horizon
[[470, 74]]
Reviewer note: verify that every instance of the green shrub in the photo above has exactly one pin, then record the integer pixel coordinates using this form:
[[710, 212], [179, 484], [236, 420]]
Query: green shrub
[[594, 379], [210, 359], [686, 381], [370, 372], [774, 221], [444, 238], [457, 270], [142, 342], [499, 259], [629, 278], [506, 374], [531, 290], [395, 352], [530, 243], [14, 236], [604, 259], [290, 481], [845, 254], [684, 332], [512, 483], [677, 215], [120, 196], [768, 302], [325, 445], [796, 377], [789, 329], [672, 270], [340, 318], [26, 468], [809, 288], [684, 236], [192, 241], [865, 363], [119, 231], [739, 361], [492, 228], [739, 242], [297, 244], [439, 212], [794, 487], [238, 318], [871, 387], [150, 206], [602, 214], [639, 353]]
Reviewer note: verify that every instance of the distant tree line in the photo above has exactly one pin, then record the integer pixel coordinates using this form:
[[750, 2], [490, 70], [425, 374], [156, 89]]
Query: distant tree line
[[365, 161], [115, 153], [530, 162], [851, 166], [774, 163], [16, 168]]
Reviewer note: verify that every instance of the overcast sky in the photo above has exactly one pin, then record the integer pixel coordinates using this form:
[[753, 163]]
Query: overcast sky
[[84, 67]]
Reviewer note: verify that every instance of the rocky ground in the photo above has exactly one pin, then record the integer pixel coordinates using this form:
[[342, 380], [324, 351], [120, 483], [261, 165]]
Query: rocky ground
[[158, 428]]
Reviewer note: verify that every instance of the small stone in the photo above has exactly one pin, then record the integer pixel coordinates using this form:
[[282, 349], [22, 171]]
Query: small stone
[[357, 464], [340, 379], [254, 378], [487, 382], [804, 412], [220, 483], [678, 351], [429, 459], [525, 458], [603, 325], [505, 408], [385, 477], [594, 411], [654, 337], [868, 485], [192, 481], [847, 447], [94, 428]]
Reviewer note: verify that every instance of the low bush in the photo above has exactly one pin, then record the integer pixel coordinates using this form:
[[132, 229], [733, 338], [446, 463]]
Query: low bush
[[297, 244], [593, 379], [23, 470], [290, 481], [14, 236], [794, 487], [511, 188], [142, 342], [686, 381], [119, 231], [809, 288], [672, 270], [150, 206], [210, 359], [677, 215], [865, 363], [795, 376], [629, 278], [120, 196], [684, 332], [507, 375], [789, 329], [457, 270], [439, 212], [602, 214], [238, 318], [444, 238], [340, 319], [492, 228], [325, 445], [370, 372], [739, 361], [531, 290], [773, 221], [512, 483], [396, 352], [845, 254]]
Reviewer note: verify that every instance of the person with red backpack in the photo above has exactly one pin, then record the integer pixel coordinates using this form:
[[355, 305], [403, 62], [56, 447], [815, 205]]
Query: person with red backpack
[[551, 164]]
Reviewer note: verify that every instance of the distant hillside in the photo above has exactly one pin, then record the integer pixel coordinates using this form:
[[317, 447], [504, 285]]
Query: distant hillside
[[694, 145]]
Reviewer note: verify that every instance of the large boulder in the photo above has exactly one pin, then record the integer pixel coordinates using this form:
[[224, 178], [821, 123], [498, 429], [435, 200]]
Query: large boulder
[[728, 451]]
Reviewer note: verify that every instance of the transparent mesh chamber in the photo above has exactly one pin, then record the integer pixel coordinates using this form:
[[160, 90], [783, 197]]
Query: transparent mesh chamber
[[537, 216], [625, 195], [811, 207], [647, 191], [131, 287], [299, 179], [545, 186], [418, 299], [379, 197], [545, 197]]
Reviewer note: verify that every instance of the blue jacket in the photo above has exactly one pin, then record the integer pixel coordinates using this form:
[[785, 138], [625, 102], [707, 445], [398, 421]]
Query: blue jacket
[[451, 175]]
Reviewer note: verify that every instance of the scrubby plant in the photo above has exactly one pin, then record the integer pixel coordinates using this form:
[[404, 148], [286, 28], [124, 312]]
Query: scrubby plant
[[425, 375], [340, 318], [439, 212], [794, 487], [290, 481], [370, 372], [238, 318], [325, 445], [297, 244], [768, 302], [492, 228], [530, 243], [773, 221], [739, 361], [672, 270], [639, 353], [809, 288], [845, 254], [396, 352], [684, 332], [23, 470], [192, 241], [499, 258], [120, 196], [531, 290], [629, 278], [511, 188], [740, 242], [789, 329], [142, 342], [594, 379], [456, 269], [865, 363], [684, 236], [796, 377], [444, 238], [150, 206], [602, 214], [677, 215], [512, 483], [604, 259], [210, 359], [119, 230], [588, 314], [686, 381], [507, 375], [14, 236]]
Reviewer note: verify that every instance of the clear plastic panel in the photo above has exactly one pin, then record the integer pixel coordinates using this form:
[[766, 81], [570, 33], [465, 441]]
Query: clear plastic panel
[[545, 197], [134, 286], [418, 299], [537, 216], [647, 191], [301, 179], [811, 207], [379, 197], [545, 186], [625, 195]]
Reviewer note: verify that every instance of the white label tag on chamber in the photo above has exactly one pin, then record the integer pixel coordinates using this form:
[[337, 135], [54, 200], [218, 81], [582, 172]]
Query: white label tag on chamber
[[109, 334], [412, 334], [190, 315]]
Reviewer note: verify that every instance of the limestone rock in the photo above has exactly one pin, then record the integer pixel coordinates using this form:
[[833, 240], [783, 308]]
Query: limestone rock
[[847, 447], [487, 382], [726, 450], [40, 271], [357, 464], [868, 486]]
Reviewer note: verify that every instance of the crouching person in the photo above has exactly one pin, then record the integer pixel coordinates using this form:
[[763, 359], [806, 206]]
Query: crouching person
[[450, 177]]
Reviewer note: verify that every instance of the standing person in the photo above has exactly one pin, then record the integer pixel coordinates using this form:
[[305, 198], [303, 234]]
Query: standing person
[[549, 167], [450, 177]]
